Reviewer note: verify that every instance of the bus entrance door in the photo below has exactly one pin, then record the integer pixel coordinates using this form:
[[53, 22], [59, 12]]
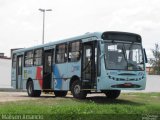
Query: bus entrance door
[[19, 83], [89, 65], [47, 70]]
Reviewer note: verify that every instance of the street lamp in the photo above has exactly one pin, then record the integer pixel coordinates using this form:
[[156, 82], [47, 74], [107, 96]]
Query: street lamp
[[44, 10]]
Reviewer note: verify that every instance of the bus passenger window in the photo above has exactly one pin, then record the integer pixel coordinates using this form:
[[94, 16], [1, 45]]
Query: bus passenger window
[[38, 57], [14, 61], [61, 53], [28, 59], [74, 51], [49, 60]]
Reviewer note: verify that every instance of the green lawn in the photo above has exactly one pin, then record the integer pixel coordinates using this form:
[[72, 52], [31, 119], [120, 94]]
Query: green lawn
[[127, 106]]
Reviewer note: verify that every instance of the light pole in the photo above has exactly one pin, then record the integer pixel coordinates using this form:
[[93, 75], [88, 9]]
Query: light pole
[[44, 10]]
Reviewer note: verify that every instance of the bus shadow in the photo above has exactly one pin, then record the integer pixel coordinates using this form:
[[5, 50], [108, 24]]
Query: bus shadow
[[104, 100], [43, 96], [94, 99]]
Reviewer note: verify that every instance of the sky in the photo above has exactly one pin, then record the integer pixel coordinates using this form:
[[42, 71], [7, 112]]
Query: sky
[[21, 21]]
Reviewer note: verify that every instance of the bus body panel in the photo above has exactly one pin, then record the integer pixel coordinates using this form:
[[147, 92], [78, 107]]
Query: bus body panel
[[29, 72], [135, 80], [13, 74], [60, 74], [13, 78], [13, 84], [74, 69], [35, 74], [37, 85]]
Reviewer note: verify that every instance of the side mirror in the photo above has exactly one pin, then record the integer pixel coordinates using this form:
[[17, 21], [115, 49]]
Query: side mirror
[[145, 56]]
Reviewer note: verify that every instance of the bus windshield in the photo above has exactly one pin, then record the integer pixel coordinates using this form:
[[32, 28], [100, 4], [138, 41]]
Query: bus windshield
[[123, 56]]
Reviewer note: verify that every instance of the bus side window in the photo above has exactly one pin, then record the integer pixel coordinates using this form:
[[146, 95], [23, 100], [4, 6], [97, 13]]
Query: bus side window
[[74, 51], [53, 57], [14, 61], [38, 57], [61, 53], [28, 59]]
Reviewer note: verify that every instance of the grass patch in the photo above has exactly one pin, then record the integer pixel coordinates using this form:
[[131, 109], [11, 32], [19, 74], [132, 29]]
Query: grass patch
[[128, 105]]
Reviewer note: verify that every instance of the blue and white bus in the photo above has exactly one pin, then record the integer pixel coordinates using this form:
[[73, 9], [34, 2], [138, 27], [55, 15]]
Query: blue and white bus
[[106, 62]]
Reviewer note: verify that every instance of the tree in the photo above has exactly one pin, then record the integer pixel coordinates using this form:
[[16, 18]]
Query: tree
[[155, 62]]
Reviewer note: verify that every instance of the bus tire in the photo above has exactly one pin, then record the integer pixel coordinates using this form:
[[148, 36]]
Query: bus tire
[[76, 90], [60, 93], [112, 94], [30, 90]]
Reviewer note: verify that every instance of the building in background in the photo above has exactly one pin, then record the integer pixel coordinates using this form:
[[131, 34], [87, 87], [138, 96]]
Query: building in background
[[5, 71], [2, 56]]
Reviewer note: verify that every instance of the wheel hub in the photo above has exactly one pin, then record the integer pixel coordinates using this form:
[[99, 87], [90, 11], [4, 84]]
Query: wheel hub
[[77, 89], [30, 89]]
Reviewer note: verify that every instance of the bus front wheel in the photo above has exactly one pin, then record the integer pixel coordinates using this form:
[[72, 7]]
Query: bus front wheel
[[76, 90], [60, 93], [30, 90], [112, 94]]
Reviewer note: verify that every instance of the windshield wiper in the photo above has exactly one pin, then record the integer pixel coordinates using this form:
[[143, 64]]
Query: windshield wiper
[[131, 46], [124, 53]]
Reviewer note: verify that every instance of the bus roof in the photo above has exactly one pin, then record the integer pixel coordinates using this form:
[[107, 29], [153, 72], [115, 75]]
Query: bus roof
[[87, 35], [98, 35]]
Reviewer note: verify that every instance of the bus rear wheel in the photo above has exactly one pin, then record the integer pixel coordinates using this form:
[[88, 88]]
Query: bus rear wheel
[[76, 90], [30, 90], [60, 93], [112, 94]]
